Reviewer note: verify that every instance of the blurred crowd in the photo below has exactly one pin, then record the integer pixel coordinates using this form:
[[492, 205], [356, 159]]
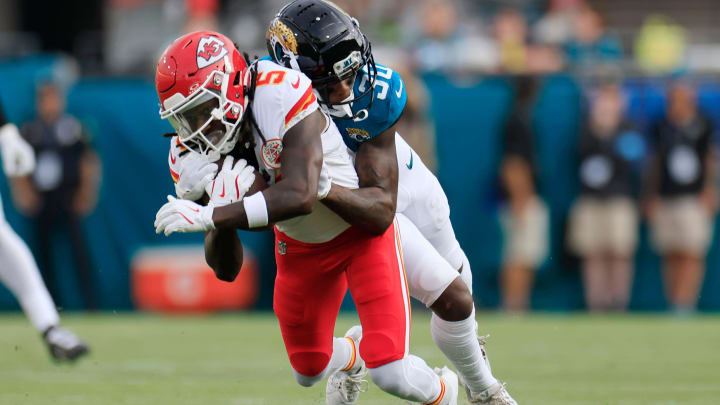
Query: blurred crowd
[[662, 171]]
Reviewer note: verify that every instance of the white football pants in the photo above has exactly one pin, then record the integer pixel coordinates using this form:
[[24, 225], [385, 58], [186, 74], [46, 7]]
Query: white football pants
[[20, 274]]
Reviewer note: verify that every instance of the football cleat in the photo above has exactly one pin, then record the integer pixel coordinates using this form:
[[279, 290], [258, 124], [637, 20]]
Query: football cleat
[[344, 386], [495, 395], [63, 344]]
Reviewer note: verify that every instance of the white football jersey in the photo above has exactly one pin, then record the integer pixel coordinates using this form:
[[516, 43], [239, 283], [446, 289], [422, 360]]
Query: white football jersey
[[283, 97]]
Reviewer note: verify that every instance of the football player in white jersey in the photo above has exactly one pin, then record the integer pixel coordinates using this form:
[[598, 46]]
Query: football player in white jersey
[[366, 100], [18, 270], [211, 96]]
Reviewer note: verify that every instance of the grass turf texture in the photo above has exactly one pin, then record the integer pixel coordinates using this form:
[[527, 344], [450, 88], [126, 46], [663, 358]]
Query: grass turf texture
[[239, 359]]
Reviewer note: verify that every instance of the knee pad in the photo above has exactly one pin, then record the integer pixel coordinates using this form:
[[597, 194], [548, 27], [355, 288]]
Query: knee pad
[[379, 348], [309, 366], [389, 377], [306, 381], [408, 378]]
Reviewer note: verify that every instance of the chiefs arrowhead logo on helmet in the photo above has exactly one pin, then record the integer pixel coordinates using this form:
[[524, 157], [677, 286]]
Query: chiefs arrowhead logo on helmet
[[209, 51], [201, 82]]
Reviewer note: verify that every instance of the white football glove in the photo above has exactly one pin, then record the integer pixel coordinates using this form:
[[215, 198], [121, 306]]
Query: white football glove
[[18, 156], [324, 183], [231, 183], [183, 216], [195, 173]]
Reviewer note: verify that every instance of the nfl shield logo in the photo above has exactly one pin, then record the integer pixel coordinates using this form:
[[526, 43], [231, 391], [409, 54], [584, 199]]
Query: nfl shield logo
[[282, 248]]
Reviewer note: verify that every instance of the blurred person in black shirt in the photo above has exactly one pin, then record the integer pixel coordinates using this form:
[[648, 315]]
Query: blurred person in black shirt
[[604, 219], [682, 197], [18, 270], [524, 219], [62, 189]]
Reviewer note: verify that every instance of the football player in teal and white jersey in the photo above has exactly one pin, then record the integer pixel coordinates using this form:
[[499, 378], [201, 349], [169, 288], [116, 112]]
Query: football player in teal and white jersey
[[366, 100]]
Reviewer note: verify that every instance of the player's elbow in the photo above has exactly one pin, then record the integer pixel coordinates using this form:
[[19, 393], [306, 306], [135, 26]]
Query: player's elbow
[[386, 214], [225, 267], [305, 207], [304, 202], [226, 272], [380, 222]]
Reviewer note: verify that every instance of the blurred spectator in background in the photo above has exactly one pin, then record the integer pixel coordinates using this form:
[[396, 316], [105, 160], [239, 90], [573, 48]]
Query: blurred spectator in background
[[604, 219], [592, 46], [660, 45], [515, 53], [447, 45], [62, 189], [510, 32], [557, 25], [202, 15], [525, 218], [682, 194]]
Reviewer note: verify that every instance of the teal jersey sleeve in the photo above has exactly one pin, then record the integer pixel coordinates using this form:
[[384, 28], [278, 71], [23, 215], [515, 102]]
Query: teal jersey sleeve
[[373, 118]]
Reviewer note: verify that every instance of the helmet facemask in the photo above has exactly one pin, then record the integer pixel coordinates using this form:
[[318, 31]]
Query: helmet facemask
[[353, 65], [206, 122]]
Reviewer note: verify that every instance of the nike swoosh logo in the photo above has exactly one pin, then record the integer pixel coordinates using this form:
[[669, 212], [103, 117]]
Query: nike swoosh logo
[[296, 84], [193, 209], [399, 92], [223, 192], [409, 165], [172, 159]]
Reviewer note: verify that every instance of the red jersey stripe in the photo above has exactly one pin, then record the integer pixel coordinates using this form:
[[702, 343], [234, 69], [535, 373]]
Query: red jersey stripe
[[307, 98]]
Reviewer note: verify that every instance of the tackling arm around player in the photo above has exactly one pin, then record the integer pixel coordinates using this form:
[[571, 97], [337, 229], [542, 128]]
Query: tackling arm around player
[[366, 101], [372, 206]]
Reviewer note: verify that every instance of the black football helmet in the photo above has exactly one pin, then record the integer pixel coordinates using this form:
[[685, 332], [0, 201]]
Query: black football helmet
[[325, 43]]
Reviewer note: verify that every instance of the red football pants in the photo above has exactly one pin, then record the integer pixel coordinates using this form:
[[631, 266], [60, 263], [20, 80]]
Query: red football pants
[[310, 285]]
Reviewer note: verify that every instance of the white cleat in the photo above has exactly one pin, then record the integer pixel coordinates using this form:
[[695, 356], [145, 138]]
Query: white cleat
[[449, 382], [344, 386], [496, 394], [64, 345]]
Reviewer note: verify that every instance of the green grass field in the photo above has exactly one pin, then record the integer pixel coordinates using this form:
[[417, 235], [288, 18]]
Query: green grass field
[[239, 360]]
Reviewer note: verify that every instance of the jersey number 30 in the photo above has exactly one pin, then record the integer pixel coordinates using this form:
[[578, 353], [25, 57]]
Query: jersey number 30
[[384, 74]]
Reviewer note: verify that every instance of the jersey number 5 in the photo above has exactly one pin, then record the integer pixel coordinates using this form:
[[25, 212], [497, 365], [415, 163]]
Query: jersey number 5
[[271, 77]]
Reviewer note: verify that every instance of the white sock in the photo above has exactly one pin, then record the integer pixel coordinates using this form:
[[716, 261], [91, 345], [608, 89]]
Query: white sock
[[466, 274], [459, 342], [342, 357], [409, 378], [20, 274]]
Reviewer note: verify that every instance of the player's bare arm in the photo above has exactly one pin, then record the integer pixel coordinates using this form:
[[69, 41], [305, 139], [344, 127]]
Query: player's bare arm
[[372, 206], [224, 253], [296, 193]]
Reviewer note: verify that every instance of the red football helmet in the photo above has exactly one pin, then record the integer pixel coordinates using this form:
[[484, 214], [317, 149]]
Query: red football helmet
[[202, 82]]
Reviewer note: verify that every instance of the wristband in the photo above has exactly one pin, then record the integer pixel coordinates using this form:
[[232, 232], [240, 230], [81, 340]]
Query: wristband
[[256, 210]]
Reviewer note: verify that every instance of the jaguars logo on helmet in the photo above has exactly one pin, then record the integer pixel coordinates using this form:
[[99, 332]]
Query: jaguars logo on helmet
[[326, 44]]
